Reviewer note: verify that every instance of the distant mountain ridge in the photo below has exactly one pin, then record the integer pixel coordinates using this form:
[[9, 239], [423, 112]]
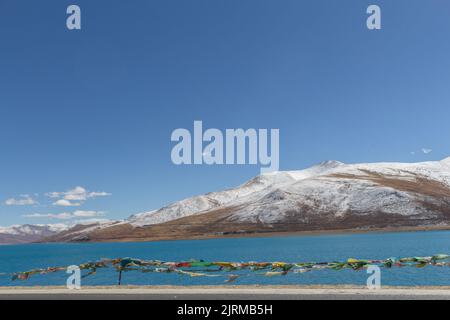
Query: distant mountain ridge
[[328, 196], [29, 233]]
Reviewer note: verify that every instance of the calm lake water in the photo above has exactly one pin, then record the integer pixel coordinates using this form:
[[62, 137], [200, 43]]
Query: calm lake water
[[290, 249]]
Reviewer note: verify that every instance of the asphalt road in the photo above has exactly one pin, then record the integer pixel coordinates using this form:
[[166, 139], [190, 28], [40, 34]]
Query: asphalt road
[[221, 297], [268, 296]]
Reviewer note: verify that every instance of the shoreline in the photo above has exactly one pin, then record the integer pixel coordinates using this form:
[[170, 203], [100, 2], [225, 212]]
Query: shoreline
[[271, 234], [255, 235]]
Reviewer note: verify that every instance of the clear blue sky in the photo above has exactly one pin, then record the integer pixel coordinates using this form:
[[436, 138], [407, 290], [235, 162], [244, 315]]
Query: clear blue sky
[[95, 108]]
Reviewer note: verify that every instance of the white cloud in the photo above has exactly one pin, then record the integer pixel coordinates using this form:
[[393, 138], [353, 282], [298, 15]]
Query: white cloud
[[24, 200], [426, 150], [60, 216], [98, 194], [66, 203], [90, 221], [77, 194], [53, 194], [66, 215], [87, 214]]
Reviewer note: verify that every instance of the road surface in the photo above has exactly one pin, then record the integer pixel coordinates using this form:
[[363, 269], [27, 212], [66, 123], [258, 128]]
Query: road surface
[[223, 293]]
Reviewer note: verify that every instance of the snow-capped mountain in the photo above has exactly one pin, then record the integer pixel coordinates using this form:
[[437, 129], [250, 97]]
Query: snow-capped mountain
[[328, 196], [250, 191], [81, 231], [28, 232]]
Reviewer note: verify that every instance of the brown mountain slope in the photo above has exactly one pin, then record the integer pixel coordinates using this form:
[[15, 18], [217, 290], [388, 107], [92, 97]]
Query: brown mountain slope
[[337, 197]]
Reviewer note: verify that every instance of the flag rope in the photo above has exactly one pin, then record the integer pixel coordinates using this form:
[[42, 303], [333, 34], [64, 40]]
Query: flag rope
[[202, 268]]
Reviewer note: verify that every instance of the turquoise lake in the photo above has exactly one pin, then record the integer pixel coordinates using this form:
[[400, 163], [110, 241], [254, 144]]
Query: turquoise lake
[[290, 249]]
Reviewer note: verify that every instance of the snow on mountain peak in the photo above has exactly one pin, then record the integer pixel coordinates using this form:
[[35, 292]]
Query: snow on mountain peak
[[330, 164], [29, 229], [29, 232], [327, 196], [262, 184], [323, 179]]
